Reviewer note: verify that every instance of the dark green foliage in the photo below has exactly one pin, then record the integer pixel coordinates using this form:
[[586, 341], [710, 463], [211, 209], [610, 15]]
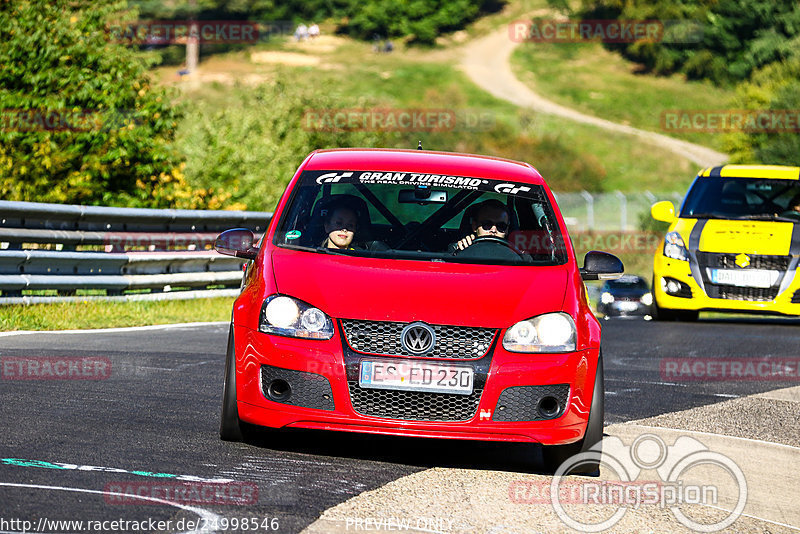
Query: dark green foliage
[[58, 60], [775, 87], [420, 21], [738, 36]]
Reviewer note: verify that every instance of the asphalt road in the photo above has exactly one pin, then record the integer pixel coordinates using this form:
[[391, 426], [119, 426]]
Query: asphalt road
[[155, 416]]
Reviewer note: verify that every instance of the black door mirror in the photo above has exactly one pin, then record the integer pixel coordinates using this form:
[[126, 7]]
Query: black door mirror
[[237, 242], [601, 266]]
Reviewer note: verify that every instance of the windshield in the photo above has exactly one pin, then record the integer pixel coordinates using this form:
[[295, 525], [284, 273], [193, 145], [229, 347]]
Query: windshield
[[420, 216], [743, 198]]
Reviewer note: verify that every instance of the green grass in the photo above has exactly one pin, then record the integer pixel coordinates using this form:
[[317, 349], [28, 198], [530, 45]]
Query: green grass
[[591, 79], [94, 314]]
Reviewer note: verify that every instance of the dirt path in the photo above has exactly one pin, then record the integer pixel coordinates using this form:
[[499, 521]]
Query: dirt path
[[486, 62]]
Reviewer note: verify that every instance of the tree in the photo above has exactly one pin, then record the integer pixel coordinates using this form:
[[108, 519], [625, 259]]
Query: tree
[[774, 88], [734, 38], [81, 122]]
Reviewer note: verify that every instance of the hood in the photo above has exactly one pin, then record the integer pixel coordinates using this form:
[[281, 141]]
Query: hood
[[750, 237], [347, 287]]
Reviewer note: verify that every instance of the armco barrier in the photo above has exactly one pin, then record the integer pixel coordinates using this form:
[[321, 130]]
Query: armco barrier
[[131, 249]]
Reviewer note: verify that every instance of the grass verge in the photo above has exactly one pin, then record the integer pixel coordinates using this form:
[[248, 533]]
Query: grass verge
[[571, 156], [96, 314], [591, 79]]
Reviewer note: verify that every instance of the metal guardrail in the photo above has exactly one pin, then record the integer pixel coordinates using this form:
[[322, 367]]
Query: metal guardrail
[[128, 249]]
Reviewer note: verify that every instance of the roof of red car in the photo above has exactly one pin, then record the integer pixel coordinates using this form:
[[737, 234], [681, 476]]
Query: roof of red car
[[398, 160]]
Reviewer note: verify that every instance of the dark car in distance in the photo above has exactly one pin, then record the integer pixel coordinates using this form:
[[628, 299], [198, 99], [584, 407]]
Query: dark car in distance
[[627, 296]]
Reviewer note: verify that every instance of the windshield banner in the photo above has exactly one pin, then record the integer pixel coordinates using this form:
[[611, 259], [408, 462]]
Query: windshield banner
[[415, 179]]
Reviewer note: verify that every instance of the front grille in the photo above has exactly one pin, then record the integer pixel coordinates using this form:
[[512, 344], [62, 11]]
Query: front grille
[[413, 405], [728, 261], [796, 297], [454, 342], [713, 260], [757, 294]]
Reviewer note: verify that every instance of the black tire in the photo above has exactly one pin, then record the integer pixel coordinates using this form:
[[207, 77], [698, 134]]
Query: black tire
[[662, 314], [555, 455], [230, 427]]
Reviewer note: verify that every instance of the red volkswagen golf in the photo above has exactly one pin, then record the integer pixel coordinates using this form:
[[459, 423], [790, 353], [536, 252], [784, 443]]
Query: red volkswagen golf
[[417, 293]]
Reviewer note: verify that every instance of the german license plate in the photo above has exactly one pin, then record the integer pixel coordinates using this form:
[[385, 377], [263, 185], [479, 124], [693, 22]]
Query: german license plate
[[627, 306], [416, 376], [743, 278]]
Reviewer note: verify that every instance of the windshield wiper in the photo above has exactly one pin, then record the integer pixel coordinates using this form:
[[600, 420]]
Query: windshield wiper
[[338, 251], [298, 247]]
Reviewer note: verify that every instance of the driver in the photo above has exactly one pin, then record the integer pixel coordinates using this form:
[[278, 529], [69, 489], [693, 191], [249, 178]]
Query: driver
[[793, 209], [491, 219]]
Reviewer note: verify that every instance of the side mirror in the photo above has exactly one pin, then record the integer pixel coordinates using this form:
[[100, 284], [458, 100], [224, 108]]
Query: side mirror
[[663, 211], [237, 242], [601, 266]]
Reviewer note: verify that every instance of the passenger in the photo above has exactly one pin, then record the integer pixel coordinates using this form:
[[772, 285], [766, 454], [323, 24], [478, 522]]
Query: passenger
[[340, 223], [491, 220], [793, 209]]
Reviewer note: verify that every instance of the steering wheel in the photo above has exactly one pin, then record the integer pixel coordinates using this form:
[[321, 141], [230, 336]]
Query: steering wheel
[[486, 242]]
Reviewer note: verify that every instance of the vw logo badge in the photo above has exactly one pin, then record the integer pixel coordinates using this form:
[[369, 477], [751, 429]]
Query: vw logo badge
[[418, 338]]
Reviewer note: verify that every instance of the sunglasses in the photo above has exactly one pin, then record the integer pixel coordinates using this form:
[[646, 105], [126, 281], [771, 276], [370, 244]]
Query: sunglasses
[[501, 226]]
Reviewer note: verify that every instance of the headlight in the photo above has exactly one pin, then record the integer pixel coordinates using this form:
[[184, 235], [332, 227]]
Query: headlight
[[606, 298], [287, 316], [647, 299], [551, 332], [674, 247]]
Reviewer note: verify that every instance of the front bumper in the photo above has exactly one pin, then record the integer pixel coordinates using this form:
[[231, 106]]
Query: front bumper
[[624, 308], [699, 299], [327, 359]]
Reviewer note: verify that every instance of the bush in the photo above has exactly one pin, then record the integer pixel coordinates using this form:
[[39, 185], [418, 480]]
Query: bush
[[737, 37], [249, 150], [776, 87]]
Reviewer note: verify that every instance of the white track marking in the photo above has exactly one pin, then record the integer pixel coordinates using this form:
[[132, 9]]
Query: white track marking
[[210, 518], [645, 382], [726, 436], [752, 517]]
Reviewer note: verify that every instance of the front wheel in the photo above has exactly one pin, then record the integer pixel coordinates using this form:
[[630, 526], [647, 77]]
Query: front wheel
[[230, 427], [555, 455], [663, 314]]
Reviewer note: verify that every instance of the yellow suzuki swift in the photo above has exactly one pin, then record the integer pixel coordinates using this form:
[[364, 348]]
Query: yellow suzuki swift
[[734, 246]]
